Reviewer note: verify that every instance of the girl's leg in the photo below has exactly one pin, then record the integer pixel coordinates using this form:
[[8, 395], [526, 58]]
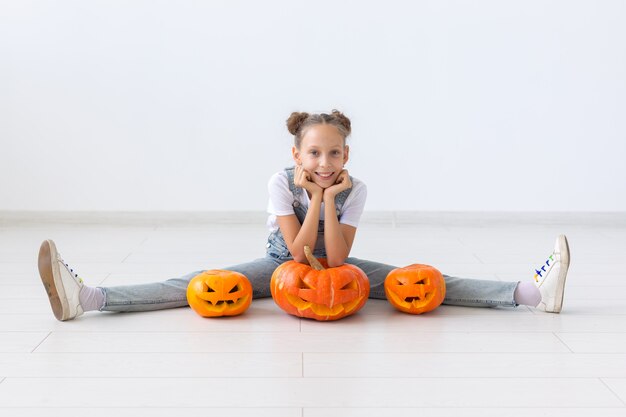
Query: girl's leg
[[479, 292], [459, 291], [259, 272], [376, 272], [145, 297], [69, 297], [173, 292]]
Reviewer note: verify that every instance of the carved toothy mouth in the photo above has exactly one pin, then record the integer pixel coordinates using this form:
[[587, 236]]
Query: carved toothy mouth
[[322, 310], [415, 301]]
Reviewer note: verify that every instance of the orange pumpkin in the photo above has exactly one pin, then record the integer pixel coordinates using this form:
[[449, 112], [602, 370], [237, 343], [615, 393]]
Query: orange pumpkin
[[415, 289], [317, 292], [217, 292]]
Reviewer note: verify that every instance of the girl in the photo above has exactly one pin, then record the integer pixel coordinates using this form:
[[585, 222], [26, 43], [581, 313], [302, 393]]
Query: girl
[[314, 203]]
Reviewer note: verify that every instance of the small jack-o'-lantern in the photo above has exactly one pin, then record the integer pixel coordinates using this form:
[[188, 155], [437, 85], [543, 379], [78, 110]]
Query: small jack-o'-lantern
[[217, 292], [318, 292], [415, 289]]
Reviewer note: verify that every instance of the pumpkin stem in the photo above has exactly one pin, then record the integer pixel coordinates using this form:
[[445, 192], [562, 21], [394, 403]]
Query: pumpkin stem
[[315, 264]]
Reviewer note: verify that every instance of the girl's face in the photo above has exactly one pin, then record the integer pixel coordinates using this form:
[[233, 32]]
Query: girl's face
[[322, 154]]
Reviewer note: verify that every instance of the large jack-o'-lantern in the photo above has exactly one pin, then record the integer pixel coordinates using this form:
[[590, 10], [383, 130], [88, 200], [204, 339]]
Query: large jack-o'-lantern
[[415, 289], [318, 292], [217, 292]]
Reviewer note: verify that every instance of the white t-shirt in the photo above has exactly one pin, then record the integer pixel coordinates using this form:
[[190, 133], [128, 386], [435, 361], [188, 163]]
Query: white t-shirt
[[281, 200]]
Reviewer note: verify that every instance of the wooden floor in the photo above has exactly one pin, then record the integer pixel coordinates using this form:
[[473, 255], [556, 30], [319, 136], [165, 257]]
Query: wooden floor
[[453, 361]]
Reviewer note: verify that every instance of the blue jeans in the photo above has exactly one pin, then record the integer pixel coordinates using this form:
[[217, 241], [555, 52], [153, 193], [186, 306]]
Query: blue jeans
[[173, 292]]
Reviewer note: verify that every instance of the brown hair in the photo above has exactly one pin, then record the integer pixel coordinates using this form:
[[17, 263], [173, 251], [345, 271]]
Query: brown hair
[[299, 121]]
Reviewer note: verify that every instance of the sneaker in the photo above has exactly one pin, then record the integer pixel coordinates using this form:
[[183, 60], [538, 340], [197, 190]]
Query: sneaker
[[550, 277], [61, 282]]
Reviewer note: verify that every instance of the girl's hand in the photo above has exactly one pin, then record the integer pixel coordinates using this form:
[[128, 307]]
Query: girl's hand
[[302, 179], [343, 183]]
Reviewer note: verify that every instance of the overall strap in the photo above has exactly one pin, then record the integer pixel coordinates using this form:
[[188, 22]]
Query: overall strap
[[340, 198]]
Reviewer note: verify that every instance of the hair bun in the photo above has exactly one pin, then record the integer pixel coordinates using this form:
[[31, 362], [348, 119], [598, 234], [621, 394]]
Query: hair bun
[[345, 122], [295, 121]]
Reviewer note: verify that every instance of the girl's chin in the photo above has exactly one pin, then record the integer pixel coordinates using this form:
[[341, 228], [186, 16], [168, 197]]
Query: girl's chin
[[324, 183]]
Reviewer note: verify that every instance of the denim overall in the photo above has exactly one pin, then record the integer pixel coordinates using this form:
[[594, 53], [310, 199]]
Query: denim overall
[[276, 246], [173, 292]]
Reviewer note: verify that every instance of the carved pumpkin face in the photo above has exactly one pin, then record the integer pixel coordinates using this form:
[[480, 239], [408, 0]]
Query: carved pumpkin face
[[321, 294], [415, 289], [218, 292]]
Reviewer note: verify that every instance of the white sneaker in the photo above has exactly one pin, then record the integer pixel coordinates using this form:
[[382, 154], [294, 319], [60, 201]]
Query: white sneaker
[[550, 277], [61, 282]]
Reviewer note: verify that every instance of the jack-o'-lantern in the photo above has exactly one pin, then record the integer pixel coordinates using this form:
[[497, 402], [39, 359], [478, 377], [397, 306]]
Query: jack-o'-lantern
[[318, 292], [217, 292], [415, 289]]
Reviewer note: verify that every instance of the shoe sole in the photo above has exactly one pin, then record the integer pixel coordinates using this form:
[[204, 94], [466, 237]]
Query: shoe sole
[[51, 279], [564, 261]]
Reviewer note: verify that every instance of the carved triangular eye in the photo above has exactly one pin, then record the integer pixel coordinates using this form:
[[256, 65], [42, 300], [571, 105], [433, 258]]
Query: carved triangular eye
[[350, 286], [234, 289], [302, 284]]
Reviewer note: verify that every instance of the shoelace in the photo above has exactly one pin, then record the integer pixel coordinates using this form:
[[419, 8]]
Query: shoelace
[[542, 269], [71, 270]]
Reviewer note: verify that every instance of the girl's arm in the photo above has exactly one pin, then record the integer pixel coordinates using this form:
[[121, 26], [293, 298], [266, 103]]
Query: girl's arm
[[338, 238], [297, 236]]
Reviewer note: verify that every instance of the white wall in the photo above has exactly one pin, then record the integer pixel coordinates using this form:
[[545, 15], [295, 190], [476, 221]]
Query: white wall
[[180, 105]]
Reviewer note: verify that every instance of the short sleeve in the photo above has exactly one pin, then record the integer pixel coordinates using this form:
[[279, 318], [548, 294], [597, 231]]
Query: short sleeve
[[354, 205], [281, 198]]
